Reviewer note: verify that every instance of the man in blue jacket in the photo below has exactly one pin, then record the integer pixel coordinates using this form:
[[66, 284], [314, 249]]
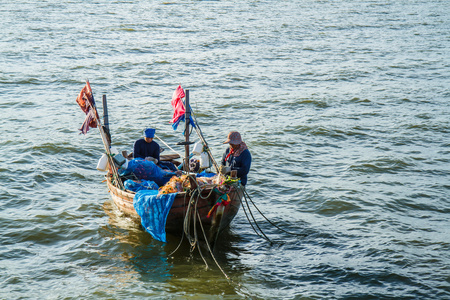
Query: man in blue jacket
[[146, 147], [236, 157]]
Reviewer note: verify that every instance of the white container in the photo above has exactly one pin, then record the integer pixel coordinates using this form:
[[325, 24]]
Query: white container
[[204, 160], [198, 147], [102, 164], [113, 150]]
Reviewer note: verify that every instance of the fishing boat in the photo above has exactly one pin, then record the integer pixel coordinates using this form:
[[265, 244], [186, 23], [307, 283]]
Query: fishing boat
[[181, 210], [200, 211]]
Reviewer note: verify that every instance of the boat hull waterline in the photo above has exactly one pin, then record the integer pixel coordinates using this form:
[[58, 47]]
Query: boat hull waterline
[[218, 221]]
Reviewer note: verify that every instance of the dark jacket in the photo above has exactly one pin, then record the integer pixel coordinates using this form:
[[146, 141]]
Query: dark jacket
[[143, 149], [240, 163]]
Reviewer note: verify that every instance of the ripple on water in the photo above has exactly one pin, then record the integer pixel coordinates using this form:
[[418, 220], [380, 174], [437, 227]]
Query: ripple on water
[[381, 165]]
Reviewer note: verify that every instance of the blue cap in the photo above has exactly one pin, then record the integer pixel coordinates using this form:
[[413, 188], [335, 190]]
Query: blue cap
[[149, 133]]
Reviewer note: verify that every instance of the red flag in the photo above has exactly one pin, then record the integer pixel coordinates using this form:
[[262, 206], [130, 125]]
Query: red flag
[[86, 100], [85, 96], [177, 104]]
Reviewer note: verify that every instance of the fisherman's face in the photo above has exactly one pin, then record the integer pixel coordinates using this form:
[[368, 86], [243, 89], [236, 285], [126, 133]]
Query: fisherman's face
[[148, 140]]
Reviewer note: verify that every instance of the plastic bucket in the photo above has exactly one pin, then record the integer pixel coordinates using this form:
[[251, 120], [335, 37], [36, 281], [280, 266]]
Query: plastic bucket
[[125, 165]]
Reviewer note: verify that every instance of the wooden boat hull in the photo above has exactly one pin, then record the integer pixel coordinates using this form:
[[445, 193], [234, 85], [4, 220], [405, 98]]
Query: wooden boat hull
[[217, 222]]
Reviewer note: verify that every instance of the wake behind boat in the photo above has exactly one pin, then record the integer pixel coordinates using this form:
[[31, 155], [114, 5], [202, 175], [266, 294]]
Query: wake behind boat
[[191, 202]]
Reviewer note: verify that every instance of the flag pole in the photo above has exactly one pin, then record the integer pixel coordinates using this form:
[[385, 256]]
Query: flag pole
[[107, 149], [104, 139], [187, 115], [106, 120]]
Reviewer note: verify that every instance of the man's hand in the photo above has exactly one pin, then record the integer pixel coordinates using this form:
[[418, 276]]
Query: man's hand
[[224, 170], [152, 159]]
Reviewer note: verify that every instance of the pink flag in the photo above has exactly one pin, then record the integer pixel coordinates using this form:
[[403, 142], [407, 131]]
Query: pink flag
[[177, 104]]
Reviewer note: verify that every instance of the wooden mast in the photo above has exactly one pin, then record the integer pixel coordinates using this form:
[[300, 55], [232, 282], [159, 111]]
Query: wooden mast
[[187, 117]]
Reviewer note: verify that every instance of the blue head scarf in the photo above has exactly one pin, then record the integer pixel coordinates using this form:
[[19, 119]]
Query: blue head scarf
[[149, 133]]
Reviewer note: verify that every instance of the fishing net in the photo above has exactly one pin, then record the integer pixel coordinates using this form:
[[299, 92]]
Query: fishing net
[[147, 170], [138, 186]]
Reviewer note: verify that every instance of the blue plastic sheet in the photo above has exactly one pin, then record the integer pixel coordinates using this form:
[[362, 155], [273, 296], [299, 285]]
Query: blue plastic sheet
[[143, 185], [206, 174], [153, 210]]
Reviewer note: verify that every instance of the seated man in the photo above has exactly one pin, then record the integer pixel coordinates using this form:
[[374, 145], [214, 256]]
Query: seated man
[[147, 148]]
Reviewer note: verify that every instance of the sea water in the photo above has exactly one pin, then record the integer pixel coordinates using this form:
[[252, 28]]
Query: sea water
[[344, 106]]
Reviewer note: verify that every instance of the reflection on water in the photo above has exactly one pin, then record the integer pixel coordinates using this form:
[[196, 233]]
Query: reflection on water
[[145, 259], [141, 254]]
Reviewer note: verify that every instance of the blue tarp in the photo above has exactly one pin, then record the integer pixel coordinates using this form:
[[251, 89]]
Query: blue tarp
[[153, 210], [206, 174], [143, 185]]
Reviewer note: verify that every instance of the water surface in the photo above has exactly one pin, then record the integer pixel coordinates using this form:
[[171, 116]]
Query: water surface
[[343, 104]]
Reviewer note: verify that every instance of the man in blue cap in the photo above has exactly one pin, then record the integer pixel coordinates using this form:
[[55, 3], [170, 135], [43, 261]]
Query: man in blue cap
[[147, 148]]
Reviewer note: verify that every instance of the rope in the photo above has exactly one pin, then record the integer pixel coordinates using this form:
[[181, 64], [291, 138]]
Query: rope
[[195, 229], [192, 211], [254, 220], [168, 145], [250, 222], [199, 191], [187, 225], [182, 234], [246, 195], [211, 252]]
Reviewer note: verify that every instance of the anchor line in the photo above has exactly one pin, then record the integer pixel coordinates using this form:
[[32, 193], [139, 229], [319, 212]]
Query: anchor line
[[262, 235], [248, 198], [182, 233], [211, 252]]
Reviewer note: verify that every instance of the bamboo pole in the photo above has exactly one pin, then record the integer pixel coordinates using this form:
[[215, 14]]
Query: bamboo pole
[[105, 141], [108, 152]]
